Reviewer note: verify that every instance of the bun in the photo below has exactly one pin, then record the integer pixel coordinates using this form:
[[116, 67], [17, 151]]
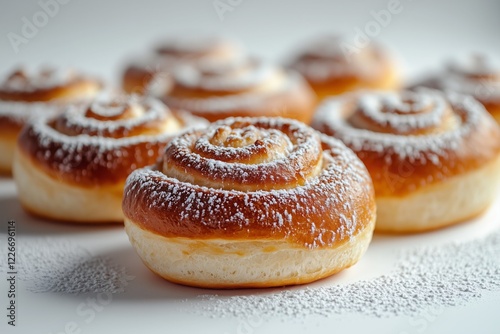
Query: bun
[[477, 77], [433, 158], [24, 95], [204, 52], [331, 68], [252, 88], [73, 167], [250, 202]]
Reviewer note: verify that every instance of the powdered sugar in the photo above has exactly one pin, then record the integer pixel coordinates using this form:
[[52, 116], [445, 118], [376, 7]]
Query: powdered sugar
[[245, 100], [331, 118], [21, 112], [440, 276], [54, 266], [23, 80], [325, 59]]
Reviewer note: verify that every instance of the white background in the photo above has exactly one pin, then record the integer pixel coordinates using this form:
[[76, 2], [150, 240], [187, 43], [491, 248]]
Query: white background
[[98, 35]]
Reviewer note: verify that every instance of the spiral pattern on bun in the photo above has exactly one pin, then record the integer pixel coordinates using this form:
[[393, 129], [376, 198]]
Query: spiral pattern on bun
[[205, 52], [73, 167], [250, 202], [24, 95], [254, 88], [433, 158], [332, 66]]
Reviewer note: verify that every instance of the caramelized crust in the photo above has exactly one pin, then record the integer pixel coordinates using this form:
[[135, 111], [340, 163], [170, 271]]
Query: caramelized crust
[[99, 143], [26, 95], [253, 179]]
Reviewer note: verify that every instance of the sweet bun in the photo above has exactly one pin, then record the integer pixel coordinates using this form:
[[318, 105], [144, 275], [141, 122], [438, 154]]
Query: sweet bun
[[433, 158], [251, 88], [197, 51], [332, 67], [24, 95], [250, 202], [477, 76], [73, 167]]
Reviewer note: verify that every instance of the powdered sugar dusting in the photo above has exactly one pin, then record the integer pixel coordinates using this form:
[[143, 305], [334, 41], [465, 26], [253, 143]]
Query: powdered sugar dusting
[[44, 78], [328, 57], [478, 77], [426, 147], [427, 277], [21, 112], [244, 100]]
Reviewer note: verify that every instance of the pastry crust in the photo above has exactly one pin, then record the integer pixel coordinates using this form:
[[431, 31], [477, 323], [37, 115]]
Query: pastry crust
[[26, 95], [80, 159], [433, 158], [250, 202]]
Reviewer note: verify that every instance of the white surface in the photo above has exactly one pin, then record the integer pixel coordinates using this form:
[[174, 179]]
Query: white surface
[[98, 36]]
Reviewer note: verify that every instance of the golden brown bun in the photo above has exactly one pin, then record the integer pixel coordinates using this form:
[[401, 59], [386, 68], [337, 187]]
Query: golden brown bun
[[250, 202], [204, 51], [73, 167], [332, 67], [477, 77], [25, 95], [433, 158], [253, 88]]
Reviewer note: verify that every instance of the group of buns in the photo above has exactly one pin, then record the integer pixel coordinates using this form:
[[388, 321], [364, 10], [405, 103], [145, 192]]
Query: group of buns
[[229, 171]]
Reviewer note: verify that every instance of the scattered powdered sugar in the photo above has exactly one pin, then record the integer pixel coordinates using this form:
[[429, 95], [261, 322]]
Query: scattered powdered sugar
[[54, 266], [438, 276]]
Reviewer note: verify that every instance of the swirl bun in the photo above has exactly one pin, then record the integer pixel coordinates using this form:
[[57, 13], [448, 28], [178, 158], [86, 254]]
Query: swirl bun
[[24, 95], [433, 158], [477, 77], [331, 67], [206, 52], [253, 88], [73, 167], [250, 202]]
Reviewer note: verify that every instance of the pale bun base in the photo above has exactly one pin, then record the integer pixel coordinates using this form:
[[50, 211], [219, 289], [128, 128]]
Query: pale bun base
[[442, 204], [47, 197], [7, 146], [224, 264]]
